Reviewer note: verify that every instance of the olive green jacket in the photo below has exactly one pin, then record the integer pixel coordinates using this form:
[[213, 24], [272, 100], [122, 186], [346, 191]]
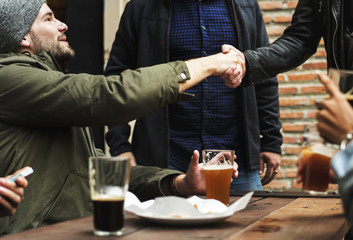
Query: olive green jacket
[[44, 119]]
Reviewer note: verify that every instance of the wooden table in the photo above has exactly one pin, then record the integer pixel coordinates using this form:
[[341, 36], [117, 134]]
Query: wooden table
[[268, 215]]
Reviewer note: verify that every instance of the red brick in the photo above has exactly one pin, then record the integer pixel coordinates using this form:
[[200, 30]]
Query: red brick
[[287, 90], [291, 115], [267, 19], [283, 19], [322, 42], [292, 150], [292, 4], [270, 5], [301, 77], [321, 53], [280, 77], [291, 173], [293, 101], [312, 114], [288, 162], [313, 89], [313, 100], [290, 139], [315, 65]]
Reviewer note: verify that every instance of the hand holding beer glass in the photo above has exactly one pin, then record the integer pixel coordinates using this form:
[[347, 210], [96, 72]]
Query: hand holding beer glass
[[218, 171], [315, 161], [109, 180]]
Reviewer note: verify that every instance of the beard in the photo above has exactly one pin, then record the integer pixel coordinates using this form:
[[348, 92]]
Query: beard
[[62, 53]]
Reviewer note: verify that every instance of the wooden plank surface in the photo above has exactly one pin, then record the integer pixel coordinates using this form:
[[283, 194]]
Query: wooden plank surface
[[316, 217], [264, 218], [287, 194], [255, 210]]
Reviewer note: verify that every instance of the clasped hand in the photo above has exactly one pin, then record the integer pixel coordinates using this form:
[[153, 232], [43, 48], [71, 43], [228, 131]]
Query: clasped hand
[[234, 74]]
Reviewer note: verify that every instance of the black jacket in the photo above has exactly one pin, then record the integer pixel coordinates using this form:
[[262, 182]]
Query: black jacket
[[311, 20], [143, 39]]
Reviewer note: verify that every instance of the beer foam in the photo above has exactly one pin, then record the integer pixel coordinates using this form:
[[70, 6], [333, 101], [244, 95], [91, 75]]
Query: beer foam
[[105, 197], [217, 167]]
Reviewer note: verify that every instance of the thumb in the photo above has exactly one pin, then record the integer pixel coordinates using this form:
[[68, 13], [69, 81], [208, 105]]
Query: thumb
[[195, 158], [261, 169], [226, 48]]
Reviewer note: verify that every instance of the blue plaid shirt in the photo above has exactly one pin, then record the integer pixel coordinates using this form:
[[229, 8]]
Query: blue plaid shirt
[[214, 118]]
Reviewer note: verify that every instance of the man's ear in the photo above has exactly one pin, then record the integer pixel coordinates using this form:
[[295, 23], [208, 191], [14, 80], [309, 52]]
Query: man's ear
[[26, 41]]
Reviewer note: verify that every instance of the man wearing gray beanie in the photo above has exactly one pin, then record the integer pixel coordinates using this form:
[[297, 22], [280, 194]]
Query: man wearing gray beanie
[[45, 116], [16, 18]]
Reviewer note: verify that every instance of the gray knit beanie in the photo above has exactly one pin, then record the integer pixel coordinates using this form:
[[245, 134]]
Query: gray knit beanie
[[16, 18]]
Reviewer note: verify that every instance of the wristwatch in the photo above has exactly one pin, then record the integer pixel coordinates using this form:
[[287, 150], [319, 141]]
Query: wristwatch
[[346, 140]]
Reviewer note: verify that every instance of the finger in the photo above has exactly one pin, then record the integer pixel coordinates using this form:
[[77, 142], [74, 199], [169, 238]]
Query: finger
[[261, 169], [13, 198], [235, 170], [6, 208], [331, 87], [22, 182], [226, 48], [11, 186], [195, 158], [228, 73], [269, 176]]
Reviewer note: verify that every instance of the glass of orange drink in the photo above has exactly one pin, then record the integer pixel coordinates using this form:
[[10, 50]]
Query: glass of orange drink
[[315, 159], [218, 171]]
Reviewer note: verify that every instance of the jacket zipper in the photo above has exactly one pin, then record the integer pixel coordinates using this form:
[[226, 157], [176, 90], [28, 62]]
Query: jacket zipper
[[334, 34]]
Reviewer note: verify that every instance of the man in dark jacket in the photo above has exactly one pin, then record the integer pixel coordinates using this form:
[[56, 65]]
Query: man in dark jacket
[[157, 31], [312, 20], [45, 116]]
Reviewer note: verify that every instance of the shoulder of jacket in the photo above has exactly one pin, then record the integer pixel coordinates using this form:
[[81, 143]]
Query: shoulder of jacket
[[43, 60]]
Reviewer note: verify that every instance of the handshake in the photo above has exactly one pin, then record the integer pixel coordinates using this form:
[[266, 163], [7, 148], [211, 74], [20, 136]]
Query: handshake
[[235, 72], [229, 65]]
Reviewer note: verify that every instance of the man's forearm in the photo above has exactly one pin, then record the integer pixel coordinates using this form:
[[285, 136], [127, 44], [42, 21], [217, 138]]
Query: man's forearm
[[213, 65]]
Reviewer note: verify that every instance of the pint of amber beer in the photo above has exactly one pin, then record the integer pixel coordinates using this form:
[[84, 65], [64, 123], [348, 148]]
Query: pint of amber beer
[[315, 159], [218, 171], [316, 174]]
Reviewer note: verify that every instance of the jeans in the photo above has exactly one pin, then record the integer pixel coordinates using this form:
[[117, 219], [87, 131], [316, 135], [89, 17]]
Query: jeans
[[247, 181]]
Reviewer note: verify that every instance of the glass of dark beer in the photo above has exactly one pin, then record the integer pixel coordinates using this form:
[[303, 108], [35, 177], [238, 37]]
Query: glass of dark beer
[[109, 180]]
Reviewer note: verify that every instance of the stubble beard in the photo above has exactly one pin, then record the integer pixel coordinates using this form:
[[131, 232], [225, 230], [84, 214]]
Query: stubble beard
[[62, 53]]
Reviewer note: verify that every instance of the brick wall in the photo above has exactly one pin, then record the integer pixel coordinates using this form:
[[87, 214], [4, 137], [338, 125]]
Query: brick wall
[[298, 89]]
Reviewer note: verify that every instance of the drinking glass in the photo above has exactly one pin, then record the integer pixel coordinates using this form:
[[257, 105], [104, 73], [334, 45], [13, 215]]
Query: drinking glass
[[316, 157], [109, 180], [218, 171]]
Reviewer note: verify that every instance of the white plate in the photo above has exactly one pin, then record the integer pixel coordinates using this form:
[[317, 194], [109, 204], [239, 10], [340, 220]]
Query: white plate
[[184, 221], [173, 210]]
